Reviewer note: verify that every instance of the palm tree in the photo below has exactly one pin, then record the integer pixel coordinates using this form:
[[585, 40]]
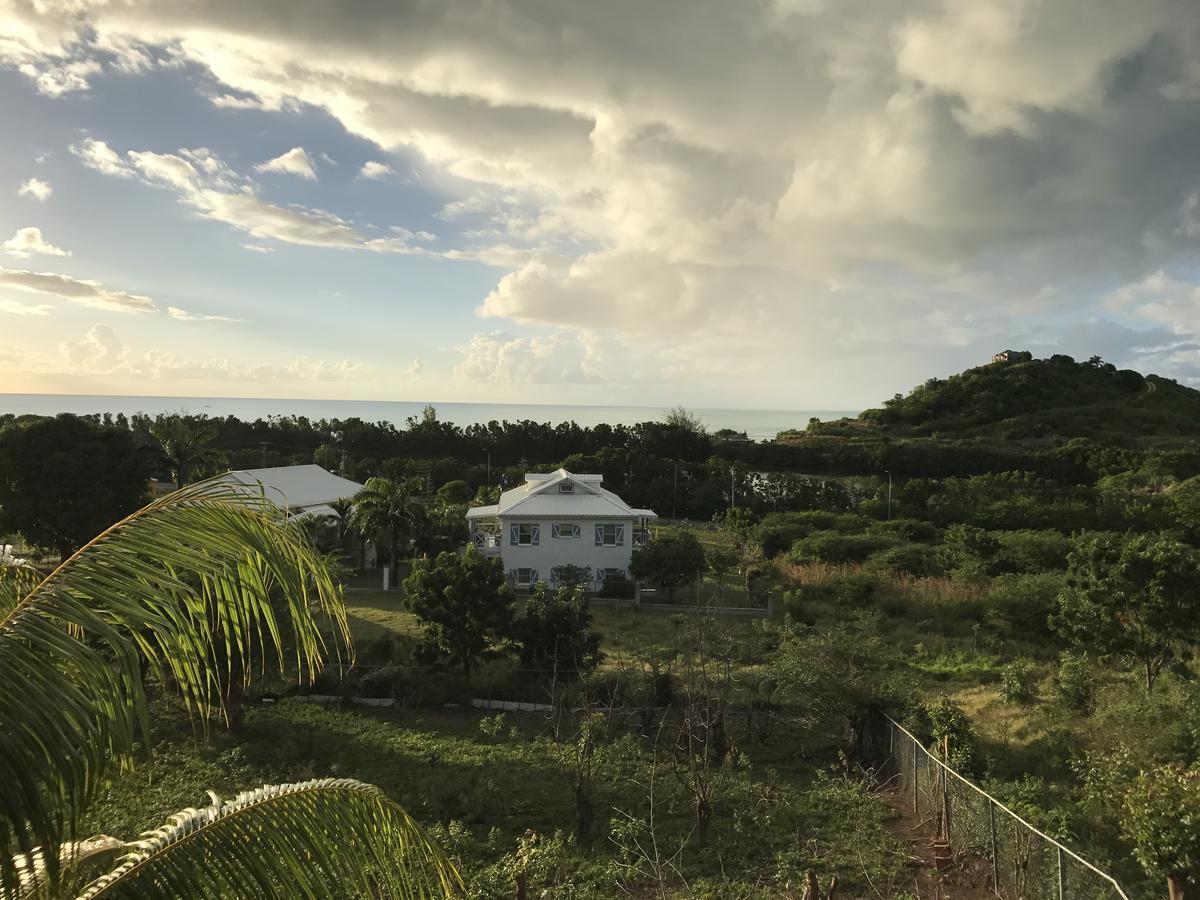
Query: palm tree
[[197, 585], [186, 445], [382, 509]]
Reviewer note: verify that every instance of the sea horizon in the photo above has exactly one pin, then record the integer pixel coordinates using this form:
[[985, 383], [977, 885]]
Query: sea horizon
[[758, 424]]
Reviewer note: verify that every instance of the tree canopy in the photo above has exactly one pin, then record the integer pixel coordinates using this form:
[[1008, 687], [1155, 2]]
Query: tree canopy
[[464, 604], [62, 480], [1132, 596]]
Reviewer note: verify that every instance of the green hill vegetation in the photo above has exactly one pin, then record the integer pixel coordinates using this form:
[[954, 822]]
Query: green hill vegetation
[[1041, 398]]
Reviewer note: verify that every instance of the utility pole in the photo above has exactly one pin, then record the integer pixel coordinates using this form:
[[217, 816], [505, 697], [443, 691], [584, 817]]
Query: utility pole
[[889, 475], [732, 487], [489, 469], [263, 444], [675, 491]]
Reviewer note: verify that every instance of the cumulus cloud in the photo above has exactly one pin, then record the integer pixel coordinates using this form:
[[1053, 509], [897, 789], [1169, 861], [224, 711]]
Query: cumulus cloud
[[99, 156], [375, 170], [99, 351], [416, 367], [945, 160], [28, 241], [83, 292], [36, 188], [294, 162]]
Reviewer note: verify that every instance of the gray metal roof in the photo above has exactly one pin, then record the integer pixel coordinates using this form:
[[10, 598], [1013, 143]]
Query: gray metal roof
[[296, 487], [540, 496]]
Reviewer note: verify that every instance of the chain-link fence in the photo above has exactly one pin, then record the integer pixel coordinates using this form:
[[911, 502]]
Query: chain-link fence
[[1025, 863]]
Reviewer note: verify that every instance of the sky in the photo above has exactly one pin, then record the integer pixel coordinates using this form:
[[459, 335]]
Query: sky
[[795, 204]]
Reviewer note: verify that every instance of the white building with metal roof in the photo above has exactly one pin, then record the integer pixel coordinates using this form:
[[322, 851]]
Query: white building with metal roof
[[560, 519], [301, 490]]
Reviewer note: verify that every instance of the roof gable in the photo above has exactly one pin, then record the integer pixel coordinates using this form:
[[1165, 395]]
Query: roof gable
[[296, 487], [540, 496]]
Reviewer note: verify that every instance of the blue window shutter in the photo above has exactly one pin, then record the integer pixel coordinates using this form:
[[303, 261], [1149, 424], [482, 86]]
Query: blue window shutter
[[535, 534], [599, 535], [514, 534], [620, 535], [533, 578]]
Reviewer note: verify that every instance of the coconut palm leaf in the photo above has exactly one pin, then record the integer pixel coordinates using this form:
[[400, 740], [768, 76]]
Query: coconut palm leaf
[[200, 585], [331, 838]]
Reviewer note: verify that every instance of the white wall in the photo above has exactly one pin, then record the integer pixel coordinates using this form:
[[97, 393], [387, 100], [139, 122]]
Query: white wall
[[552, 551]]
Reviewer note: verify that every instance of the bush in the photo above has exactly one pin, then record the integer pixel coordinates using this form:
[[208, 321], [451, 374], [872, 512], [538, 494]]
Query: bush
[[778, 532], [385, 682], [617, 589], [856, 589], [1032, 551], [914, 530], [379, 651], [834, 547], [1025, 602], [908, 559], [1018, 683], [1075, 688], [948, 722]]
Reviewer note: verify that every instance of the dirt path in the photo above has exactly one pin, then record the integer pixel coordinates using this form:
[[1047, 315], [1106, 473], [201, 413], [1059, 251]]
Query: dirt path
[[937, 873]]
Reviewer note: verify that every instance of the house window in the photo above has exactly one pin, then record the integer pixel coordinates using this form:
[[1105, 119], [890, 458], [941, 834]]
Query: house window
[[566, 488], [612, 574], [526, 577], [610, 535], [565, 530], [525, 535]]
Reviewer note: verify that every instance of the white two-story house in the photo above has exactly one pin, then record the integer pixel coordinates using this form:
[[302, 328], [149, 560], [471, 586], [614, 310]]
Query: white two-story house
[[560, 519]]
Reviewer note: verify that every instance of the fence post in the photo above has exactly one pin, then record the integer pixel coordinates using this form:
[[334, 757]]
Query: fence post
[[995, 858], [916, 793], [1062, 876]]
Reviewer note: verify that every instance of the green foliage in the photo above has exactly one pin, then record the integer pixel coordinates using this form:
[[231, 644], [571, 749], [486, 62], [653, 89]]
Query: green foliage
[[463, 603], [969, 552], [1162, 820], [918, 560], [948, 723], [1024, 602], [383, 511], [1133, 597], [454, 492], [1018, 683], [834, 547], [66, 479], [289, 837], [553, 632], [673, 559], [1074, 685], [187, 446]]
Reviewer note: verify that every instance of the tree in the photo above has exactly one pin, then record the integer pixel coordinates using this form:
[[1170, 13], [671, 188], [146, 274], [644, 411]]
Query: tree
[[1131, 597], [186, 443], [1160, 818], [64, 479], [684, 419], [672, 559], [383, 510], [464, 604], [203, 573], [553, 631], [454, 492]]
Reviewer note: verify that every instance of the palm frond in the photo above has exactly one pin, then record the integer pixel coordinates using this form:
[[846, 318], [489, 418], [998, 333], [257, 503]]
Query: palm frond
[[189, 585], [334, 838]]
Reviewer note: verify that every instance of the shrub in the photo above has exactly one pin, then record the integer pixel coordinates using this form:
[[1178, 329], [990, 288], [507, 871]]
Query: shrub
[[908, 559], [834, 547], [777, 532], [379, 651], [385, 682], [854, 589], [914, 530], [617, 589], [1032, 551], [1075, 687], [948, 722], [1025, 601], [1018, 683]]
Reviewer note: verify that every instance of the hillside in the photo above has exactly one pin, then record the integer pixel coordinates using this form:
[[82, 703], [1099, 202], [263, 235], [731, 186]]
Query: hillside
[[1041, 398]]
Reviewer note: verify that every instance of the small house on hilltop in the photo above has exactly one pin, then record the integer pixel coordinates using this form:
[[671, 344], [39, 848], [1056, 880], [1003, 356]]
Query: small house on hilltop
[[558, 520], [1007, 356]]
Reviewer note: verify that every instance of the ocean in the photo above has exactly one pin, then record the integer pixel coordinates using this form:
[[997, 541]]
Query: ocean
[[759, 424]]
